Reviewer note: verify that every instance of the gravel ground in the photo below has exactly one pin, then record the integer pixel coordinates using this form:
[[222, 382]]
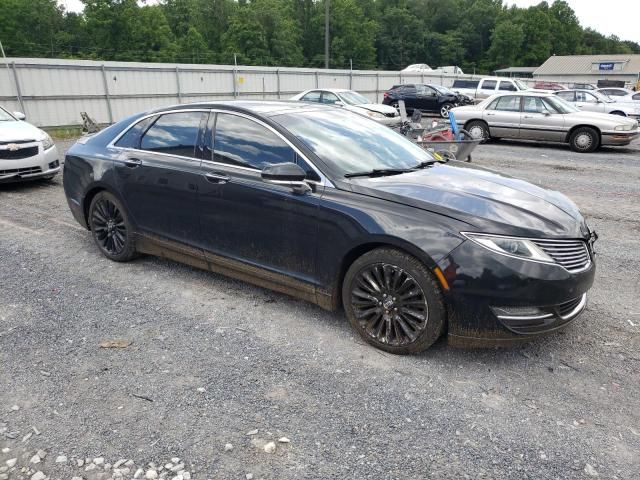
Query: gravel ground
[[217, 370]]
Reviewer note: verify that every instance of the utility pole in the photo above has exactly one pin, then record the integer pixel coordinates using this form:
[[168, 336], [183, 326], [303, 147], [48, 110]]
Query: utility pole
[[326, 34], [6, 63]]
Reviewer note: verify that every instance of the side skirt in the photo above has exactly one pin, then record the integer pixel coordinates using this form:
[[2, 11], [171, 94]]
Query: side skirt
[[169, 249]]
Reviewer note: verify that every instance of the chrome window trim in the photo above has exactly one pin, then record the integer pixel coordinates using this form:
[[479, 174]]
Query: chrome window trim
[[469, 236], [323, 178]]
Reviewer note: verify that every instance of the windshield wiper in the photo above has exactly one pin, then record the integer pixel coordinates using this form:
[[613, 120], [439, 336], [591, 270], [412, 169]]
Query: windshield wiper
[[428, 163], [379, 172]]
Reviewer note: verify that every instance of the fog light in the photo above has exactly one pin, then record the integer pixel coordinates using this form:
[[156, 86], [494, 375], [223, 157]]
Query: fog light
[[54, 164], [520, 313]]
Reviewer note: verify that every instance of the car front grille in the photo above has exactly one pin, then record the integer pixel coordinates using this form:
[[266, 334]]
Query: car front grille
[[6, 154], [571, 254], [21, 171], [3, 142]]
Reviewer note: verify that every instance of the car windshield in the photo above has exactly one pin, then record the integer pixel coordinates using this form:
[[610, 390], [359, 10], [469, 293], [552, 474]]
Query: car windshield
[[560, 105], [521, 85], [5, 116], [349, 143], [441, 89], [601, 96], [353, 98]]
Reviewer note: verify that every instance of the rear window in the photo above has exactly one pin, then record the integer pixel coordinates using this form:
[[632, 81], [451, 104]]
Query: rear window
[[465, 84], [489, 84]]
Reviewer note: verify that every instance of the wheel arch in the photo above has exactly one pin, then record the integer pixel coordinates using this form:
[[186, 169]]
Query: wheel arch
[[583, 125], [371, 244], [618, 112], [466, 124], [90, 195]]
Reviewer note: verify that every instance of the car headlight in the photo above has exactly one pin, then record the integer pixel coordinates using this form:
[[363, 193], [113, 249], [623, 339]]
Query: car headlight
[[47, 141], [375, 115], [510, 246]]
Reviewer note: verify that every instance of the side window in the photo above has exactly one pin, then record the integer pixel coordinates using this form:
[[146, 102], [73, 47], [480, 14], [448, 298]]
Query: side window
[[311, 173], [636, 96], [507, 86], [493, 105], [173, 133], [534, 105], [312, 97], [509, 103], [585, 97], [243, 142], [489, 85], [615, 93], [409, 90], [329, 98], [568, 96], [131, 139]]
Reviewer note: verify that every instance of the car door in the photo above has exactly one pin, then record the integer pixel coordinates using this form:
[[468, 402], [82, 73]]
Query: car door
[[487, 88], [158, 171], [540, 121], [427, 98], [408, 93], [503, 116], [247, 219], [589, 103]]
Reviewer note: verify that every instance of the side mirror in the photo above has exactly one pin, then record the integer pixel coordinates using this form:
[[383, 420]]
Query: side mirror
[[19, 115], [339, 104], [287, 174]]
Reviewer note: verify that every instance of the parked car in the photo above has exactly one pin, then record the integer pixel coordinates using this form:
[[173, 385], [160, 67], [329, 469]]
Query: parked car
[[426, 98], [26, 152], [549, 86], [536, 116], [621, 95], [417, 67], [450, 69], [332, 207], [594, 101], [486, 87], [584, 86], [352, 101]]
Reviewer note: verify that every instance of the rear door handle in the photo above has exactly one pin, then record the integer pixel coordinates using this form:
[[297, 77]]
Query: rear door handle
[[133, 162], [216, 177]]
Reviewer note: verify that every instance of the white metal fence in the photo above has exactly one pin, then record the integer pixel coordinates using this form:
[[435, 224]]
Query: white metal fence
[[53, 92]]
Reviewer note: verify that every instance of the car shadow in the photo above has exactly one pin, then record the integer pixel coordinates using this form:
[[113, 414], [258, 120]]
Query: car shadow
[[28, 185]]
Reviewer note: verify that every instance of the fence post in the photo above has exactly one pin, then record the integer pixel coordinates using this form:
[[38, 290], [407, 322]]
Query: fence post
[[317, 84], [18, 90], [264, 89], [350, 74], [422, 76], [106, 93], [178, 84], [377, 86], [278, 81]]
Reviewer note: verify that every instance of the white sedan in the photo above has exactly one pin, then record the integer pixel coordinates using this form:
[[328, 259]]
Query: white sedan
[[621, 95], [593, 101], [353, 101], [26, 152]]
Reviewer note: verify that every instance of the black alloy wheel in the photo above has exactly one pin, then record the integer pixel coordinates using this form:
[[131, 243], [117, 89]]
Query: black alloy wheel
[[110, 228], [444, 109], [393, 301]]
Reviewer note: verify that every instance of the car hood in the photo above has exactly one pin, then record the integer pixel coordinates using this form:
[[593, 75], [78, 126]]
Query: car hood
[[601, 120], [488, 201], [19, 131], [374, 107]]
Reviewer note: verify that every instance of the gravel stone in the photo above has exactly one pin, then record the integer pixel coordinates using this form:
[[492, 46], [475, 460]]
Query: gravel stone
[[270, 447], [38, 476], [11, 462], [61, 459]]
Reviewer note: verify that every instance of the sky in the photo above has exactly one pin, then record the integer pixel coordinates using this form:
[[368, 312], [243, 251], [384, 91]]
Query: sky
[[614, 17], [619, 17]]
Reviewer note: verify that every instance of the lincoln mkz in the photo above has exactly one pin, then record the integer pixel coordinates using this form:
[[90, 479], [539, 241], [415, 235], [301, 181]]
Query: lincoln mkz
[[334, 208]]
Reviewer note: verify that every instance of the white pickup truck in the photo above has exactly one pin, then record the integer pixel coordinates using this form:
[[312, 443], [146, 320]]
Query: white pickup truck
[[485, 87]]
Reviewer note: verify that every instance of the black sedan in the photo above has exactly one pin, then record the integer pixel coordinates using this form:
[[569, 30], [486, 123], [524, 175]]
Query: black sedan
[[426, 98], [333, 208]]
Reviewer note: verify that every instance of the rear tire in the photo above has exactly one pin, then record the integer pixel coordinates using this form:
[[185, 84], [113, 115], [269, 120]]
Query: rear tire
[[110, 227], [393, 301], [478, 130], [584, 140]]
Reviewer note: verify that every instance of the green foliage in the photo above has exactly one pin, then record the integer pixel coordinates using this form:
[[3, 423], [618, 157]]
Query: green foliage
[[478, 35]]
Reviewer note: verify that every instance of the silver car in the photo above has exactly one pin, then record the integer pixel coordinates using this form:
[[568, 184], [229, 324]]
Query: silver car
[[594, 101], [539, 116]]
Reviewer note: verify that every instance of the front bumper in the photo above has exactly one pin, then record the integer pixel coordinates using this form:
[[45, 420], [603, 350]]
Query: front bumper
[[45, 163], [619, 138], [499, 300]]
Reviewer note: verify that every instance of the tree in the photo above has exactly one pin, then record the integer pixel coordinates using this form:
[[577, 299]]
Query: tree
[[507, 40]]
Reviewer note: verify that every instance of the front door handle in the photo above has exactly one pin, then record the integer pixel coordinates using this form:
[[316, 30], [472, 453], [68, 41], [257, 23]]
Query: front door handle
[[528, 116], [490, 114], [133, 162], [216, 177]]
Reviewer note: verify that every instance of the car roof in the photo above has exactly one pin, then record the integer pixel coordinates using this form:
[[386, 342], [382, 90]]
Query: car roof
[[260, 107]]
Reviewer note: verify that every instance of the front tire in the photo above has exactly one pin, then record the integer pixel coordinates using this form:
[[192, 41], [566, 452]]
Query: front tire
[[584, 140], [444, 109], [478, 130], [110, 227], [393, 301]]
